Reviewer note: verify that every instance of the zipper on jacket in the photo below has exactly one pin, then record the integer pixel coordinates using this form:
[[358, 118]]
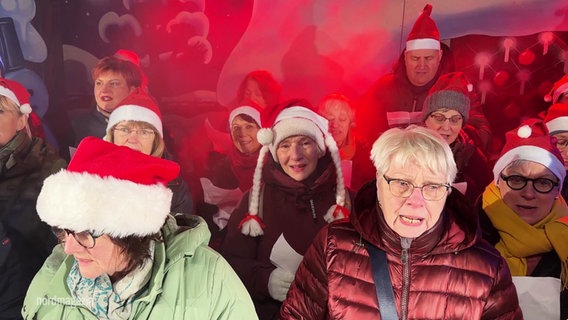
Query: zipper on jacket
[[405, 243], [313, 209]]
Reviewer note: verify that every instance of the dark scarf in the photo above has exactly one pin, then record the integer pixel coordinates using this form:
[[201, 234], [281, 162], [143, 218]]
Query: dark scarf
[[462, 148]]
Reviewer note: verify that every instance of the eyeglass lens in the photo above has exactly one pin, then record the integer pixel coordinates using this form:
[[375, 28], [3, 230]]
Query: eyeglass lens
[[440, 118]]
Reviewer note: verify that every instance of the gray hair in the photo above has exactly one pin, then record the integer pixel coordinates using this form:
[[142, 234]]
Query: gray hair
[[414, 143]]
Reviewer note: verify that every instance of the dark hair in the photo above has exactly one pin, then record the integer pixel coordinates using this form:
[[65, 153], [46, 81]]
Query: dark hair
[[269, 87], [136, 249], [131, 72]]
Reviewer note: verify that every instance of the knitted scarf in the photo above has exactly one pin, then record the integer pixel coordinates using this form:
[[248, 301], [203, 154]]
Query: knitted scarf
[[520, 240]]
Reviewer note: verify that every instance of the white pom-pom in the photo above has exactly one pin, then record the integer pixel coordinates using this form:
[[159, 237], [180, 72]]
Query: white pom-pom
[[265, 136], [26, 108], [524, 131], [469, 87], [251, 228], [548, 98]]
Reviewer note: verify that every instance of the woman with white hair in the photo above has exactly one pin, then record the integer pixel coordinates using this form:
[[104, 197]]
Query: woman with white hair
[[411, 249]]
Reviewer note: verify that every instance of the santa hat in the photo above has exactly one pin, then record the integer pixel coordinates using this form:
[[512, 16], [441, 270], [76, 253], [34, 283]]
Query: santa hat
[[556, 118], [559, 87], [137, 106], [424, 33], [17, 93], [250, 111], [532, 142], [108, 189], [286, 120], [451, 91]]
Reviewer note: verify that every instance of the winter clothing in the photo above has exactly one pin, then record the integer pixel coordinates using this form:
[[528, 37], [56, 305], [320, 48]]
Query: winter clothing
[[451, 91], [92, 123], [188, 281], [516, 240], [355, 152], [559, 88], [424, 33], [446, 273], [531, 141], [473, 166], [556, 118], [290, 209], [26, 241], [103, 179], [137, 106]]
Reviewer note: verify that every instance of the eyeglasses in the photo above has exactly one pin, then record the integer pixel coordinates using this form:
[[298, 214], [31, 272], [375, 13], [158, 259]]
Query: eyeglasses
[[85, 238], [440, 119], [403, 189], [540, 185], [142, 133], [561, 144]]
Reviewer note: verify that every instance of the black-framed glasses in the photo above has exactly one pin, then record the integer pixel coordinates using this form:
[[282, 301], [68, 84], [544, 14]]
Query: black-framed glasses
[[142, 133], [85, 238], [440, 119], [540, 185], [403, 189]]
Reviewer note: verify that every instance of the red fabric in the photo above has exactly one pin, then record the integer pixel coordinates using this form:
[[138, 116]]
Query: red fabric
[[424, 27], [248, 217]]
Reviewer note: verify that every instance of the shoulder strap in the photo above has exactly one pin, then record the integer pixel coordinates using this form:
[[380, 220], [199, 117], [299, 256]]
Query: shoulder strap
[[383, 283]]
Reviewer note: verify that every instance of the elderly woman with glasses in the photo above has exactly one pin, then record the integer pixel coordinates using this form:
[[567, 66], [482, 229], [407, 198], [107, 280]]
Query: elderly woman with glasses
[[526, 219], [122, 255], [411, 250], [137, 123], [446, 110]]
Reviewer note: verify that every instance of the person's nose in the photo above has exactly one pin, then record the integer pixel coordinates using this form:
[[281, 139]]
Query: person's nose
[[528, 192], [446, 124], [416, 198], [296, 152], [71, 246]]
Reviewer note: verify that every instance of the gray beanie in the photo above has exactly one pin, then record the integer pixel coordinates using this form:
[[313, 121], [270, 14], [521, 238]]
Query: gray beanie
[[451, 91]]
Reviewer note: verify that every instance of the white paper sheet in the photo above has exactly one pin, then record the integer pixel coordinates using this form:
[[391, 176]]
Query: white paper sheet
[[539, 297], [225, 199], [284, 256]]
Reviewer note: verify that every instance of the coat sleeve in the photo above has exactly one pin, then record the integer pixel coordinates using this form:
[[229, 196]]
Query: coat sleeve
[[503, 302], [307, 297], [241, 251]]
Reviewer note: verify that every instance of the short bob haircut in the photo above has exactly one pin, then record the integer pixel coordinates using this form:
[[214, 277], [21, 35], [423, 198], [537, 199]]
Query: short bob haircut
[[131, 72], [416, 144]]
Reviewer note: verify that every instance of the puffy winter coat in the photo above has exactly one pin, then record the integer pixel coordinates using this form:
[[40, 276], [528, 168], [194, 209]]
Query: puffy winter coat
[[189, 281], [446, 273]]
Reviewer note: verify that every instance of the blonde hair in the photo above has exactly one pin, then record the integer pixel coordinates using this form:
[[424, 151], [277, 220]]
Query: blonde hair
[[414, 144], [339, 100], [9, 105], [158, 146]]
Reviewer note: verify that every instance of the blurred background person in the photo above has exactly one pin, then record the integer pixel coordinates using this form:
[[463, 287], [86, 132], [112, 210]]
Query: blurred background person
[[297, 189], [114, 78], [556, 121], [260, 87], [524, 216], [122, 255], [429, 252], [446, 110], [25, 161], [354, 152], [229, 174], [136, 123]]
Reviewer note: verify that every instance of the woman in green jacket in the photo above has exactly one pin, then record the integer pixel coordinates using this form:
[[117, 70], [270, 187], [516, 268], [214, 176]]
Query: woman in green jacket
[[122, 255]]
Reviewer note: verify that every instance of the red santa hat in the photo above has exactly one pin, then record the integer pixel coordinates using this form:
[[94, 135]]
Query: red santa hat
[[286, 120], [424, 33], [556, 118], [250, 111], [560, 87], [531, 141], [108, 189], [137, 106], [17, 93]]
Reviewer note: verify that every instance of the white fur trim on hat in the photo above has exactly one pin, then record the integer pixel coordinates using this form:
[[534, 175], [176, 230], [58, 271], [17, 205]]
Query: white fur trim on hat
[[557, 125], [134, 113], [426, 43], [249, 111], [295, 127], [119, 208], [559, 91], [530, 153], [9, 94]]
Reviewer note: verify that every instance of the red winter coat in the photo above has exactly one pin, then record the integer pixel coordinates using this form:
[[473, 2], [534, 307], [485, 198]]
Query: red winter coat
[[452, 273]]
